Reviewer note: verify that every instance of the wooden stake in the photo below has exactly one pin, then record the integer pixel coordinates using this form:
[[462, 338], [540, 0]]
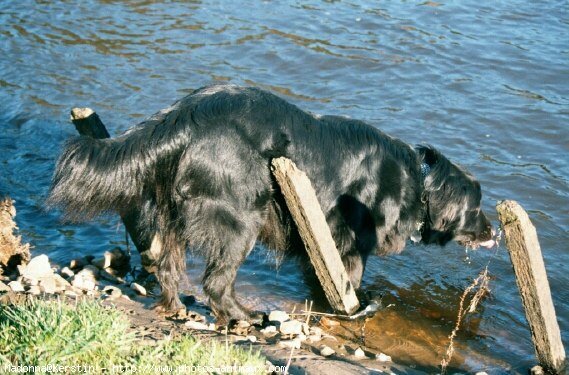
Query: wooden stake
[[305, 210], [525, 253]]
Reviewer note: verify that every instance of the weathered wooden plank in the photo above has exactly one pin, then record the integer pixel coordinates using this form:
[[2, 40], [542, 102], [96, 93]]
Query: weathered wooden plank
[[303, 205], [525, 253]]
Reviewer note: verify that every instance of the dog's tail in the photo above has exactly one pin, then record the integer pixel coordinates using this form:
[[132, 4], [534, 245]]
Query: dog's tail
[[93, 176]]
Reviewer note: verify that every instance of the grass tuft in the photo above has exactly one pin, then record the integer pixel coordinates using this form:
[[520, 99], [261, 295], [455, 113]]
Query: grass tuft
[[42, 332]]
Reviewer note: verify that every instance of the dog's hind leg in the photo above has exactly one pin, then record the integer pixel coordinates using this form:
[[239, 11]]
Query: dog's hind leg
[[171, 268], [220, 274]]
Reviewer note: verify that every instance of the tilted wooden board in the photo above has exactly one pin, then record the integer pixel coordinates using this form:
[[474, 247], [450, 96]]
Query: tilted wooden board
[[525, 253], [303, 205]]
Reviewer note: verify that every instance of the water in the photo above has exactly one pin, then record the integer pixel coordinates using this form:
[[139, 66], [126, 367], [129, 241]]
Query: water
[[486, 83]]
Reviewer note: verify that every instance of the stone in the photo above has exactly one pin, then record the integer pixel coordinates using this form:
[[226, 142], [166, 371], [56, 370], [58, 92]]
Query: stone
[[26, 281], [16, 286], [291, 327], [359, 353], [315, 331], [48, 285], [116, 258], [326, 351], [36, 268], [251, 338], [537, 370], [101, 263], [85, 279], [112, 292], [60, 282], [269, 331], [278, 316], [382, 357], [4, 287], [290, 344], [66, 272], [105, 274], [197, 325], [329, 322], [138, 289], [34, 290], [314, 338]]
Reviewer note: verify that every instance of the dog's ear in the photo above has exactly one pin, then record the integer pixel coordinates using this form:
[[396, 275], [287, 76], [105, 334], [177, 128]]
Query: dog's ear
[[429, 154]]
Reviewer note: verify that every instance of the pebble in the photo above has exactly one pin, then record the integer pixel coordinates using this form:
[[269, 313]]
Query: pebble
[[196, 325], [278, 316], [105, 274], [329, 322], [66, 272], [326, 351], [290, 344], [113, 292], [382, 357], [269, 331], [251, 338], [85, 279], [291, 327], [4, 287], [536, 370], [138, 288], [16, 286], [34, 290], [359, 353], [314, 338]]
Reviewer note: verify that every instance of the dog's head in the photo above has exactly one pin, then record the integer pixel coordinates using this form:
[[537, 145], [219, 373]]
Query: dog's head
[[452, 204]]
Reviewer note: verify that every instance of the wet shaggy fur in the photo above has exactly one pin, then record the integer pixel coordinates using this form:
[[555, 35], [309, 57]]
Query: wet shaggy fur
[[198, 175]]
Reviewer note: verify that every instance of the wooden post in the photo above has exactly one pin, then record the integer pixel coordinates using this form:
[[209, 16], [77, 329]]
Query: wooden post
[[313, 229], [525, 253], [88, 124]]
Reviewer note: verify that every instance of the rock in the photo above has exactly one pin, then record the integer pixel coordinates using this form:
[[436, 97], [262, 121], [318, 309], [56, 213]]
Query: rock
[[301, 337], [269, 331], [80, 262], [290, 344], [105, 274], [71, 293], [483, 373], [48, 285], [16, 286], [251, 338], [112, 292], [329, 322], [382, 357], [37, 267], [197, 325], [101, 263], [25, 281], [91, 269], [34, 290], [315, 331], [4, 287], [314, 338], [326, 351], [537, 370], [291, 327], [117, 258], [359, 353], [85, 279], [138, 289], [60, 282], [66, 272], [278, 316]]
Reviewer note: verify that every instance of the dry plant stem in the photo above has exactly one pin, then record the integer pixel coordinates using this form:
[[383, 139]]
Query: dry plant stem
[[482, 279], [288, 362]]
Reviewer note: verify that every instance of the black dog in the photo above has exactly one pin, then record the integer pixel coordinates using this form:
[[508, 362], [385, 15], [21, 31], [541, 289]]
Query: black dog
[[198, 175]]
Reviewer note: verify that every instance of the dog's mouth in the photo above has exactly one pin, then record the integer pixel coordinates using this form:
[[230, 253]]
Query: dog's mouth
[[470, 241]]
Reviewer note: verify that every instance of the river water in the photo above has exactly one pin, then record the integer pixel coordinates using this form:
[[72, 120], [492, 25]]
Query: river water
[[486, 82]]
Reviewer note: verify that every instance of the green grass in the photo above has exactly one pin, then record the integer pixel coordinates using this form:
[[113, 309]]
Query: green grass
[[51, 332]]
